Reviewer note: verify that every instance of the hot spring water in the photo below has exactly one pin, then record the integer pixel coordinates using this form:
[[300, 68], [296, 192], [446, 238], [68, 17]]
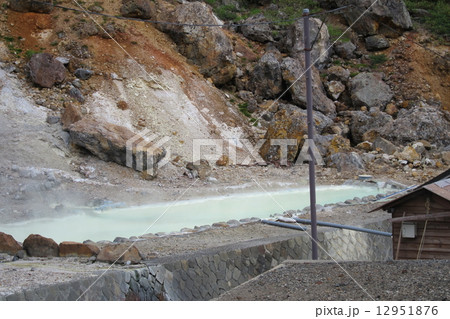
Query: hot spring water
[[168, 216]]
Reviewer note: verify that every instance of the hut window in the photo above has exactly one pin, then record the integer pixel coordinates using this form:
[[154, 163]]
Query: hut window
[[409, 230]]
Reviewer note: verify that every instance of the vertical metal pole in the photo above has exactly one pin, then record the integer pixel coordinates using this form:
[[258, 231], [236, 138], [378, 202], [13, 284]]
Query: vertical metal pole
[[312, 172]]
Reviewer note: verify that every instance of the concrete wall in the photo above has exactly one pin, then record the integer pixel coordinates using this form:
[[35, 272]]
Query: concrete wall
[[207, 274]]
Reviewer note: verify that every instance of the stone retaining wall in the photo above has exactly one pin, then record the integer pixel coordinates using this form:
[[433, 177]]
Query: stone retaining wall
[[207, 274]]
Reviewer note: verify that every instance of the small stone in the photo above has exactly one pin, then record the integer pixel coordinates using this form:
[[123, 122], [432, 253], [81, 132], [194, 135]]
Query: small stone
[[63, 60], [391, 109], [51, 119], [83, 74], [224, 160], [122, 105], [76, 94], [377, 42]]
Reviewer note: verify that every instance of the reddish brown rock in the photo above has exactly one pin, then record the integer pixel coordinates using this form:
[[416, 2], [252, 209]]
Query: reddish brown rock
[[45, 70], [119, 253], [73, 249], [39, 246], [8, 244], [122, 105], [71, 115], [224, 160]]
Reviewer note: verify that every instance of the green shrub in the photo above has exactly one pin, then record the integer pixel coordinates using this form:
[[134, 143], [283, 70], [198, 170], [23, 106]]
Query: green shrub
[[30, 53], [438, 20], [290, 10], [226, 12], [243, 108], [376, 59], [336, 32]]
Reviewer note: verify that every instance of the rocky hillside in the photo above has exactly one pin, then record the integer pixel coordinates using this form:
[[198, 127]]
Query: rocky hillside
[[381, 91]]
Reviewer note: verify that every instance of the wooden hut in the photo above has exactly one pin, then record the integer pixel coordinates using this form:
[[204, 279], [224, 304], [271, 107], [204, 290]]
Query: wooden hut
[[421, 221]]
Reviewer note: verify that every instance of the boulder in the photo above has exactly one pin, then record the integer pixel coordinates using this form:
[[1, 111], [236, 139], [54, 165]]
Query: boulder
[[338, 73], [345, 50], [73, 249], [39, 246], [208, 48], [8, 244], [71, 115], [76, 94], [83, 74], [419, 123], [289, 122], [266, 79], [365, 146], [45, 70], [445, 155], [391, 12], [338, 144], [377, 42], [140, 9], [295, 43], [346, 162], [364, 122], [334, 89], [368, 89], [119, 253], [109, 142], [42, 6], [256, 29], [293, 69], [384, 145], [408, 154], [200, 169]]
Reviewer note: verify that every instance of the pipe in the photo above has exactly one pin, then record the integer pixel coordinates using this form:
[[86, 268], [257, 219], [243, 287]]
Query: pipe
[[285, 225], [364, 230]]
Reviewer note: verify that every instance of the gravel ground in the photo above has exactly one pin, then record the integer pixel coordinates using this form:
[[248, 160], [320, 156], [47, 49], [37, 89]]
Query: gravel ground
[[36, 272], [396, 280]]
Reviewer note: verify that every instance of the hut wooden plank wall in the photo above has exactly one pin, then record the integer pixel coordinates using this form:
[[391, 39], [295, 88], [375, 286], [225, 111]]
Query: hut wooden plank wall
[[427, 209], [432, 239]]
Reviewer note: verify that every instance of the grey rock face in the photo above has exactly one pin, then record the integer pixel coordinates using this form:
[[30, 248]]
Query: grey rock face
[[292, 70], [345, 50], [365, 122], [419, 123], [369, 89], [83, 74], [45, 70], [391, 12], [258, 32], [208, 48], [377, 43], [136, 9], [266, 79], [43, 6], [346, 161], [294, 42], [385, 146]]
